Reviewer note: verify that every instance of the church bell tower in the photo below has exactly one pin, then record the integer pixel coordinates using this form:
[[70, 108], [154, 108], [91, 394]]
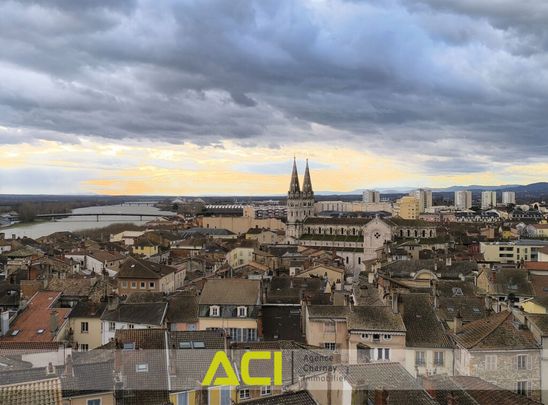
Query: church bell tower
[[300, 204]]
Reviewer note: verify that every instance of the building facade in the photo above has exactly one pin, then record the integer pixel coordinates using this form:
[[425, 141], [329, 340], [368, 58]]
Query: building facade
[[508, 197], [488, 199], [463, 199], [371, 196]]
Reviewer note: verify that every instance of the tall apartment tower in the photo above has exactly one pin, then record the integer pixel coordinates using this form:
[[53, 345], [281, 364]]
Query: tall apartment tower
[[488, 199], [508, 197], [371, 196], [463, 199], [425, 198], [300, 204]]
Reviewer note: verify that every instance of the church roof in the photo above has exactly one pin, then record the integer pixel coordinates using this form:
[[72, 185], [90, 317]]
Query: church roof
[[294, 187], [307, 183]]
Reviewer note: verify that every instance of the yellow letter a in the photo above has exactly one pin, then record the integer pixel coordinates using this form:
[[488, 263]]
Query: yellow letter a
[[220, 359]]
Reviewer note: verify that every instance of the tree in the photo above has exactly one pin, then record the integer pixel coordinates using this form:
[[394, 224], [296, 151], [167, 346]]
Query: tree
[[27, 212]]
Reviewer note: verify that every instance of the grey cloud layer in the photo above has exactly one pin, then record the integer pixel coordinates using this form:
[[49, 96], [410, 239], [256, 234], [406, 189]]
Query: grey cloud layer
[[466, 81]]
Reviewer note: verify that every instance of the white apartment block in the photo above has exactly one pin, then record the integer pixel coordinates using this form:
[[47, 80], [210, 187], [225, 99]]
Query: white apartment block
[[463, 199], [508, 197], [488, 199], [371, 196]]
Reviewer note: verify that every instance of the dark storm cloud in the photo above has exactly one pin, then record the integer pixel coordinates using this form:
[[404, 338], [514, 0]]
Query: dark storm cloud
[[457, 81]]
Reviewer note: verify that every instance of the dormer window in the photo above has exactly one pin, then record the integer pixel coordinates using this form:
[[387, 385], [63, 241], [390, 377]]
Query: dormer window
[[214, 310], [242, 312]]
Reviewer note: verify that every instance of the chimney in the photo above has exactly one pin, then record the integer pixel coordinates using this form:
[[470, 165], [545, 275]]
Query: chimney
[[457, 323], [113, 302], [50, 370], [53, 322], [4, 323], [395, 297], [69, 370], [381, 397]]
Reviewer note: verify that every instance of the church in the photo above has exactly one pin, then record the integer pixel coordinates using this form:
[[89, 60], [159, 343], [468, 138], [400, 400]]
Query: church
[[356, 240]]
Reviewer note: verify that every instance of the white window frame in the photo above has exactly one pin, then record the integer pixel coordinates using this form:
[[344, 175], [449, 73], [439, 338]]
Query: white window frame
[[330, 346], [91, 401], [490, 362], [244, 394], [214, 311], [242, 312], [111, 326], [420, 360], [525, 357], [439, 354], [134, 285], [266, 390], [86, 329]]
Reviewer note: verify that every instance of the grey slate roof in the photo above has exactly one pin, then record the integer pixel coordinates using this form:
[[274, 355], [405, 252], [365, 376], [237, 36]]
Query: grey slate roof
[[230, 291], [512, 281], [88, 309], [423, 327], [377, 318], [182, 308], [139, 268], [145, 314]]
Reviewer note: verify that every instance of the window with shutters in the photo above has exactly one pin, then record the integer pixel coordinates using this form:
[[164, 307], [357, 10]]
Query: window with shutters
[[438, 358], [491, 362], [521, 361], [420, 359]]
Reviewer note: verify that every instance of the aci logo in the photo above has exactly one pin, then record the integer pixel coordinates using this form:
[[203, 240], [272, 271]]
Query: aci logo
[[221, 359]]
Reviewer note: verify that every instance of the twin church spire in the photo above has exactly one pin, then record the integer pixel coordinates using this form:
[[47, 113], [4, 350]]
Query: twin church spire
[[294, 187]]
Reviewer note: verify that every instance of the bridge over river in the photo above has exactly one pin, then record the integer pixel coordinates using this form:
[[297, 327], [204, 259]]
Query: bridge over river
[[97, 215]]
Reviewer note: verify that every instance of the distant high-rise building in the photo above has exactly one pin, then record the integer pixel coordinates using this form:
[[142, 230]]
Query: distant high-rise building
[[508, 197], [371, 196], [463, 199], [424, 196], [488, 199], [407, 207]]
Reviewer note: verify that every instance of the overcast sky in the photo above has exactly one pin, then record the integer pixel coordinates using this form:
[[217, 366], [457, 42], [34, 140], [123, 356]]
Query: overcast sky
[[204, 97]]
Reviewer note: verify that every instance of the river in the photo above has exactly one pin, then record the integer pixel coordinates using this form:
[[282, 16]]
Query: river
[[37, 229]]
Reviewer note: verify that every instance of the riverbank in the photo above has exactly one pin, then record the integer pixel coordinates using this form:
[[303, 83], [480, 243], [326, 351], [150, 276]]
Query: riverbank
[[110, 214]]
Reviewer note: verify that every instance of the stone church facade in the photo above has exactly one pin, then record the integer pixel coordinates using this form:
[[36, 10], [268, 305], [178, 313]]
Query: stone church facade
[[356, 240]]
